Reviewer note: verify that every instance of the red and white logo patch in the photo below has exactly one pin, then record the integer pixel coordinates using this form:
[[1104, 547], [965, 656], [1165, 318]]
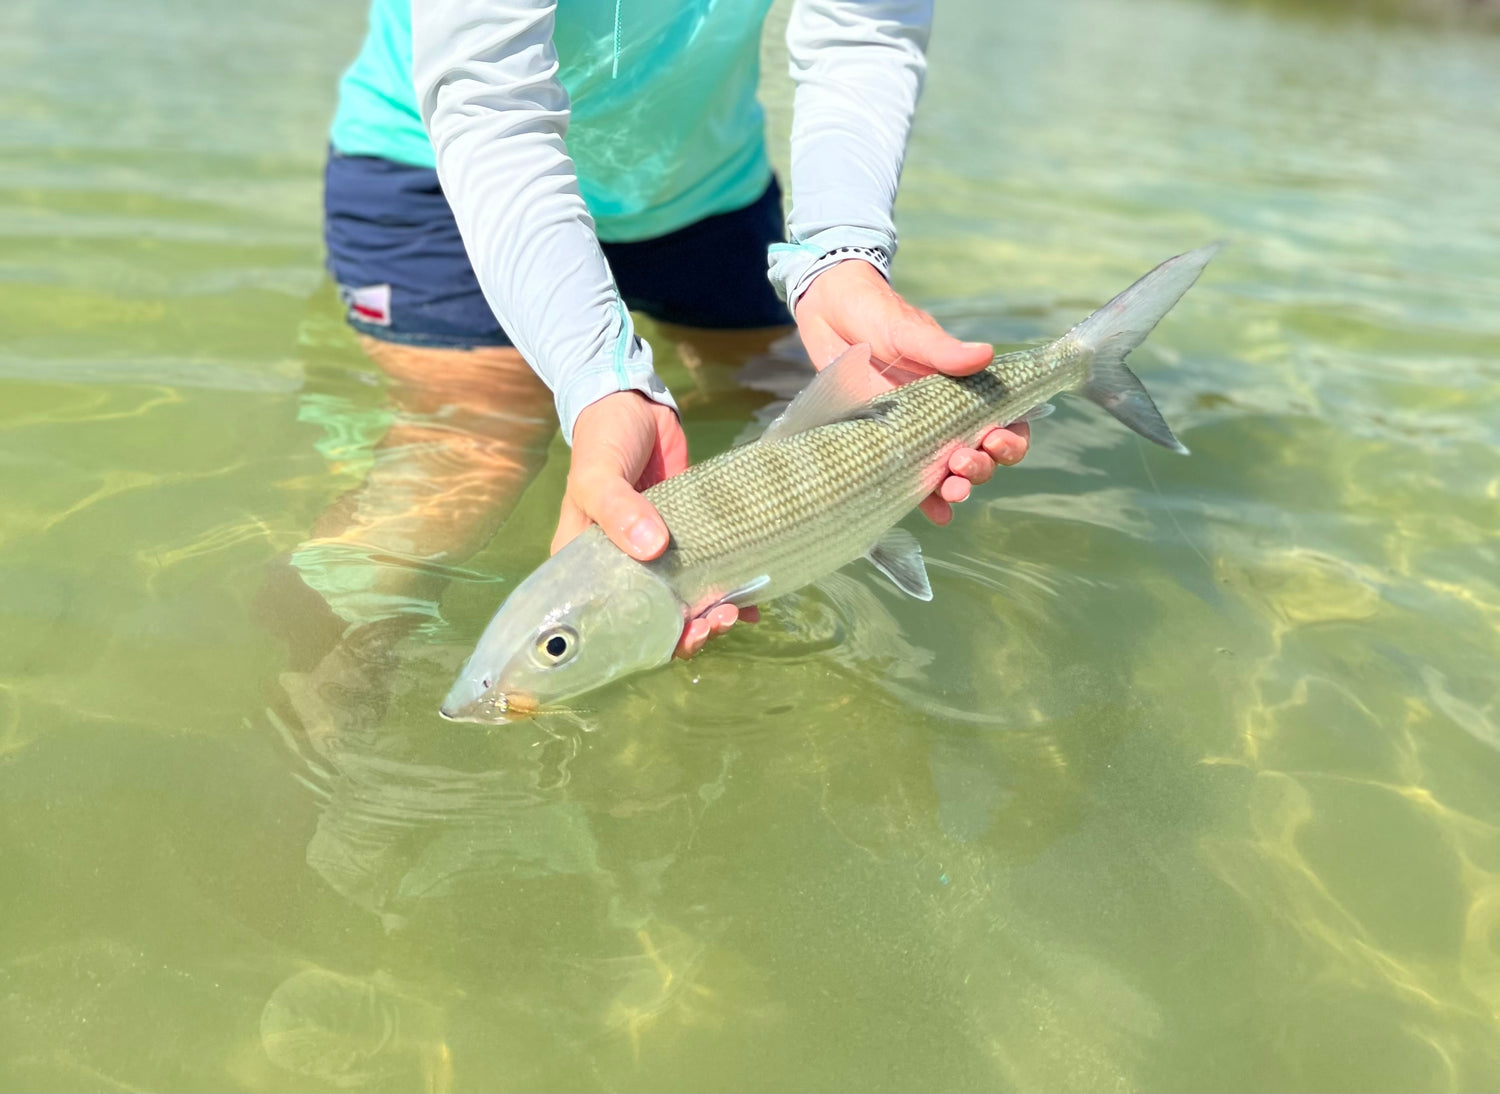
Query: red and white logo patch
[[368, 304]]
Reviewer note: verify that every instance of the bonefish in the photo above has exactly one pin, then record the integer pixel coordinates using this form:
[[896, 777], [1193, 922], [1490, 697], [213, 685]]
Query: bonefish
[[822, 487]]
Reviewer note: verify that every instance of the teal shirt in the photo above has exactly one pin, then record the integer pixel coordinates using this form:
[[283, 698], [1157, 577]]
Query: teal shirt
[[665, 128]]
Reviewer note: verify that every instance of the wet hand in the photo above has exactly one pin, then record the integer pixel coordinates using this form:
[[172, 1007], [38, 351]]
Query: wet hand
[[851, 303], [712, 624], [623, 444]]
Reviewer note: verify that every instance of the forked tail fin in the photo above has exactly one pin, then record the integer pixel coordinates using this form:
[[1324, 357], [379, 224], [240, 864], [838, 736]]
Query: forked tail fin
[[1121, 325]]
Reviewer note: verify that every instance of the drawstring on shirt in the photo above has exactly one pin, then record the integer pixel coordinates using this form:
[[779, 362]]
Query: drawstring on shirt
[[615, 71]]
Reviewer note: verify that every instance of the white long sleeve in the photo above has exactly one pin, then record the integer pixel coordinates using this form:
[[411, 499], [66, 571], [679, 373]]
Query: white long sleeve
[[858, 66], [486, 76]]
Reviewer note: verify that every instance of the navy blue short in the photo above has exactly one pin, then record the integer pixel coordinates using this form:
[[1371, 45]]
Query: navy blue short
[[401, 268]]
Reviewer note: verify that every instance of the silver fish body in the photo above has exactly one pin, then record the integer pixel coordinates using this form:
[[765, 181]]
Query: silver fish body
[[788, 509], [825, 485]]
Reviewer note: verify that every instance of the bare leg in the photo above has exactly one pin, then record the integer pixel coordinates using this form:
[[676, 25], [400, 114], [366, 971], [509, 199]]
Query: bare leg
[[728, 346], [729, 367], [472, 429]]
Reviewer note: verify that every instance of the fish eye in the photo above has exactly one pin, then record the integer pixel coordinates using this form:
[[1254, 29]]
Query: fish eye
[[557, 644]]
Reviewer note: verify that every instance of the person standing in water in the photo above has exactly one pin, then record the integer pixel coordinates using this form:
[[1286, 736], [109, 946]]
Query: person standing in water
[[508, 178]]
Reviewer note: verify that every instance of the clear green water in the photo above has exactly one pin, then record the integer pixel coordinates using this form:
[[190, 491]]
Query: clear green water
[[1188, 778]]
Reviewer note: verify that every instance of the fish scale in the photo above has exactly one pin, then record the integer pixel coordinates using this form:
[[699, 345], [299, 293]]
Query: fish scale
[[807, 504]]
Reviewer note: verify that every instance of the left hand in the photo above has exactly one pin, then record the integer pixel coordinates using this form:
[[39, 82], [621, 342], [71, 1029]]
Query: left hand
[[851, 303], [622, 444]]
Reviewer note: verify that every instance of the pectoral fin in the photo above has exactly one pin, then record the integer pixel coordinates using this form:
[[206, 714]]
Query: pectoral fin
[[898, 555], [741, 596], [1036, 413]]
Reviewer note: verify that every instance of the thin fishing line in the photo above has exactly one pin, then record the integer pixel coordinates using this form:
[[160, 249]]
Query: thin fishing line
[[1141, 451]]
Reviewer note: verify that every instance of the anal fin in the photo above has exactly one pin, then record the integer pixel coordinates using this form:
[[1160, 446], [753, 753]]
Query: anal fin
[[898, 555], [744, 594]]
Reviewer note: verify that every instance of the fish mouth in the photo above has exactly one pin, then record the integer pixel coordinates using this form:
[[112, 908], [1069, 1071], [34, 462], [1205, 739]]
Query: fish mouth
[[494, 709]]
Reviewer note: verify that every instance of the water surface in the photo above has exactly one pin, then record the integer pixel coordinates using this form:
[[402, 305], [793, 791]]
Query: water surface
[[1186, 778]]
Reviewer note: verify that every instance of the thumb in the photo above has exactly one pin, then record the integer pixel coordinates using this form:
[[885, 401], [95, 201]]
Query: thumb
[[570, 524], [628, 519], [820, 340], [918, 339]]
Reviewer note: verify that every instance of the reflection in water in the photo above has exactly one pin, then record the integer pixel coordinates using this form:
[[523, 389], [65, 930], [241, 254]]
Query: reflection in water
[[352, 1032], [424, 831], [449, 837]]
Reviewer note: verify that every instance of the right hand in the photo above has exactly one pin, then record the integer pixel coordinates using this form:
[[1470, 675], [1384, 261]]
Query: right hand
[[623, 444], [851, 303]]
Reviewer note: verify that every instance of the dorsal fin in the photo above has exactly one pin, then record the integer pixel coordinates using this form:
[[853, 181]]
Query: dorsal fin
[[840, 393]]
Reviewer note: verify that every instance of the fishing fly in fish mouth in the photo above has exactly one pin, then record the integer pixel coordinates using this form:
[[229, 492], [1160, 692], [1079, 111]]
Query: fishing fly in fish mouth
[[823, 486]]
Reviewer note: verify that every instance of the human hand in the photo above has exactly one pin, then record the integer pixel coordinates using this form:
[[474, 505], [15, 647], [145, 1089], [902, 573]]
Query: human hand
[[851, 303], [623, 444]]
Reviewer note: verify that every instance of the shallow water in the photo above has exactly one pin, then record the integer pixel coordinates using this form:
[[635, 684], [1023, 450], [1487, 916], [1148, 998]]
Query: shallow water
[[1187, 777]]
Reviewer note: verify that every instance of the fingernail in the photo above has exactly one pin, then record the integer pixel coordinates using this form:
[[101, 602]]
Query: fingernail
[[644, 536], [977, 346]]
